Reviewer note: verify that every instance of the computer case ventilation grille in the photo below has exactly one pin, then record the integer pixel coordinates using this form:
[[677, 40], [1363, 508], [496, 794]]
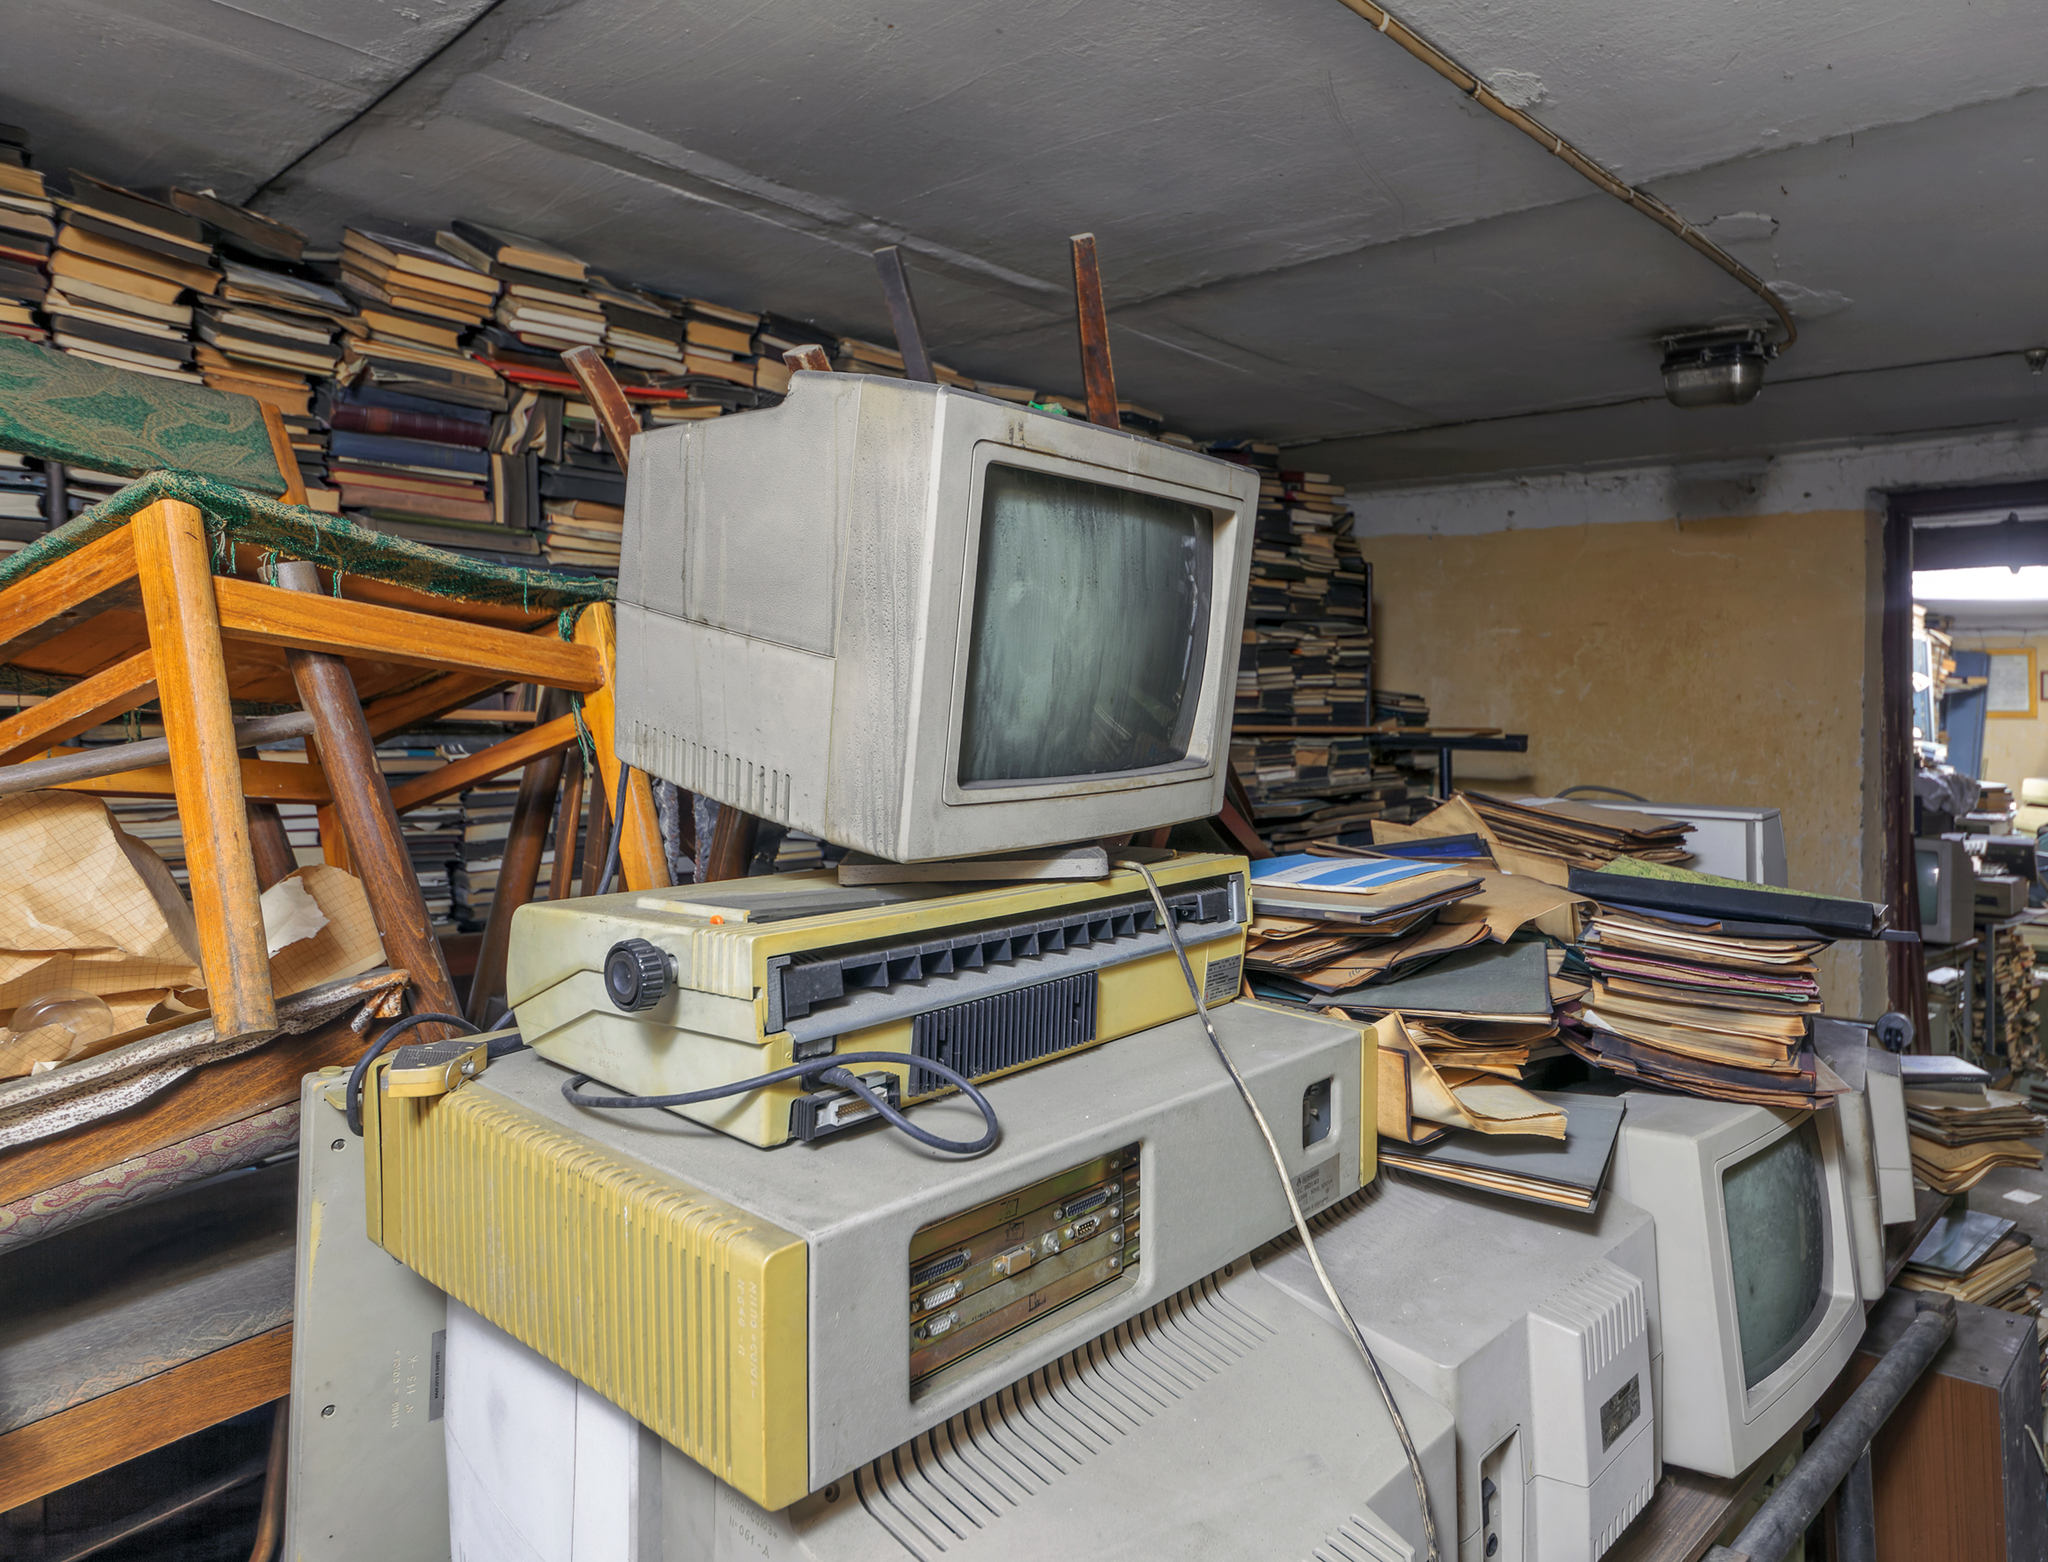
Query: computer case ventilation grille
[[974, 1459], [681, 1309], [1004, 1030]]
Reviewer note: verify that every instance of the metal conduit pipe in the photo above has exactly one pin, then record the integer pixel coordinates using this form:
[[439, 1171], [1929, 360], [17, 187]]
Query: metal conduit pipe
[[1843, 1446], [1658, 211]]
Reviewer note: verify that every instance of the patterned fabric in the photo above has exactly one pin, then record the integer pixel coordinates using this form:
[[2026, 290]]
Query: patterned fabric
[[223, 1149], [236, 516], [66, 409]]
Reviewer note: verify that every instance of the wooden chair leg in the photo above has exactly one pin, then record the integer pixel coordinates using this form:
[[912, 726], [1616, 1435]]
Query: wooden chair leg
[[642, 862], [333, 844], [732, 845], [176, 580], [525, 840], [568, 814], [597, 833], [362, 801], [269, 845]]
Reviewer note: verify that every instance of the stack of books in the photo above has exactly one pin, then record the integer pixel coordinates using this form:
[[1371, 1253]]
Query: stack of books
[[27, 226], [642, 330], [1580, 835], [486, 821], [1978, 1258], [22, 502], [583, 496], [718, 342], [1961, 1129], [419, 469], [545, 304], [121, 275], [1681, 1002], [1401, 710], [269, 330]]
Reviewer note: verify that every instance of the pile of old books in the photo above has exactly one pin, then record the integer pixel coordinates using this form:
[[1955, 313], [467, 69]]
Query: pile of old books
[[26, 229], [120, 276], [1685, 1003], [1979, 1258], [1705, 984], [1582, 834], [1961, 1128]]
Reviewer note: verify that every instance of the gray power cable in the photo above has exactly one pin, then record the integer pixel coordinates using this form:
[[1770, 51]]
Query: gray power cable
[[1308, 1240]]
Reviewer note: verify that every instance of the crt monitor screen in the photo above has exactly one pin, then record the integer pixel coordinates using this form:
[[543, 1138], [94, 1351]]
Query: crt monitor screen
[[1927, 876], [1775, 1204], [1091, 619]]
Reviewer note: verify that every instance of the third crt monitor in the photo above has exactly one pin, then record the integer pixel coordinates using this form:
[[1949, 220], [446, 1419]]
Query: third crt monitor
[[924, 623], [1756, 1273]]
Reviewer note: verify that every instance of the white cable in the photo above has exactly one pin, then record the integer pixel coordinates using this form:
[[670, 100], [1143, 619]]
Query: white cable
[[1308, 1241]]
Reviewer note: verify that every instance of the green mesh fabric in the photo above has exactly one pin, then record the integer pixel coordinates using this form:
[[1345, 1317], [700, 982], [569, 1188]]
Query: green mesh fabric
[[62, 408], [235, 516]]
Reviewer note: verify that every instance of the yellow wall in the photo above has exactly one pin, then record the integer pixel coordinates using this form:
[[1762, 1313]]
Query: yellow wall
[[1721, 661], [2015, 747]]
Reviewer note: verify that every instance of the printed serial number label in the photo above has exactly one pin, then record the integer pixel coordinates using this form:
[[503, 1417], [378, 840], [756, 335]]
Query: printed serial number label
[[1222, 980], [1620, 1412]]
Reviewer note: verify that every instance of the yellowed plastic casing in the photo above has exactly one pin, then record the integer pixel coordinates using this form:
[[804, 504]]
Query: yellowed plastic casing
[[752, 1309], [712, 1028]]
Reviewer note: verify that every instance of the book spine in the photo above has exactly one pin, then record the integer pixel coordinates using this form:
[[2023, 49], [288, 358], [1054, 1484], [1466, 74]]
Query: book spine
[[409, 425], [395, 451]]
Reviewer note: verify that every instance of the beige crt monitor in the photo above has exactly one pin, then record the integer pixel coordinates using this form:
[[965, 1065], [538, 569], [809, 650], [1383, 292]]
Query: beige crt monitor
[[925, 623], [1759, 1306]]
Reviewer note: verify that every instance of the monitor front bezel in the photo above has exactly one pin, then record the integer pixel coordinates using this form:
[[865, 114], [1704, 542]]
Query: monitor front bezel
[[1208, 742], [1839, 1293]]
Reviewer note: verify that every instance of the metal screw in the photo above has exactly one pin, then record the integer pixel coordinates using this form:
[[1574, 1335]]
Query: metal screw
[[328, 1411], [832, 1492], [339, 1144]]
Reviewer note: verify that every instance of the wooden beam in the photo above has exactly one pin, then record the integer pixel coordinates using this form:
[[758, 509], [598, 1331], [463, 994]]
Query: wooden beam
[[1097, 372], [423, 702], [362, 799], [111, 691], [281, 452], [461, 774], [334, 626], [615, 414], [917, 363], [65, 1448], [642, 862], [261, 780], [526, 839], [178, 602], [568, 814], [66, 592]]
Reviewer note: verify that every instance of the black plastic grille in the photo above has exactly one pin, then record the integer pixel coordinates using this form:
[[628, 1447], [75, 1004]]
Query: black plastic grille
[[1003, 1030]]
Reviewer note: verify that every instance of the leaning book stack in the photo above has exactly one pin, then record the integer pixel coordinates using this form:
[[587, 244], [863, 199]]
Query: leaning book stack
[[27, 229], [122, 279]]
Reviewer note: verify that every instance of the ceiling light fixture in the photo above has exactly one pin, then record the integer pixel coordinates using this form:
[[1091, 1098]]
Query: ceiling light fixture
[[1716, 368]]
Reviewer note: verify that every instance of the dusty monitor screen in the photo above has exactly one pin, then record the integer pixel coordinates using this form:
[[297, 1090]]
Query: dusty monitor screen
[[1091, 622], [1777, 1248]]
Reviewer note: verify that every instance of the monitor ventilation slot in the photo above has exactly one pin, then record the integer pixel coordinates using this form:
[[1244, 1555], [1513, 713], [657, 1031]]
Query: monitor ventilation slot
[[987, 1463], [1004, 1030]]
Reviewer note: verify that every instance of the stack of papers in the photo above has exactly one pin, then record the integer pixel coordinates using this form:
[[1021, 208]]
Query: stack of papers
[[1977, 1258], [1567, 1171], [1682, 1002], [1961, 1129], [1582, 834]]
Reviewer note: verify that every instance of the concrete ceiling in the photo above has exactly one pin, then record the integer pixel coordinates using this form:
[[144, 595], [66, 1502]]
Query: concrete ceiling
[[1306, 235]]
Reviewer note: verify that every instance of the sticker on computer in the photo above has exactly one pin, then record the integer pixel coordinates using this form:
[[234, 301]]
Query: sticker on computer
[[1222, 980], [1317, 1186], [1620, 1412]]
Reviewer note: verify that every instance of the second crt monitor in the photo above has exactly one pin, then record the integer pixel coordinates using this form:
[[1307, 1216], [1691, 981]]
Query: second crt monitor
[[924, 623]]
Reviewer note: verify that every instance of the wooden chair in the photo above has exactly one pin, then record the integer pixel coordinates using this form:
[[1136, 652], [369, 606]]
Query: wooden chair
[[204, 585], [125, 605]]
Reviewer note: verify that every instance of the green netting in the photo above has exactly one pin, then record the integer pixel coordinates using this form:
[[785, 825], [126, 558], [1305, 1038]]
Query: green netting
[[63, 408], [335, 542]]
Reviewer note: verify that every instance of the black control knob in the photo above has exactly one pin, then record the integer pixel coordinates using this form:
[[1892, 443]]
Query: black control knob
[[636, 974]]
